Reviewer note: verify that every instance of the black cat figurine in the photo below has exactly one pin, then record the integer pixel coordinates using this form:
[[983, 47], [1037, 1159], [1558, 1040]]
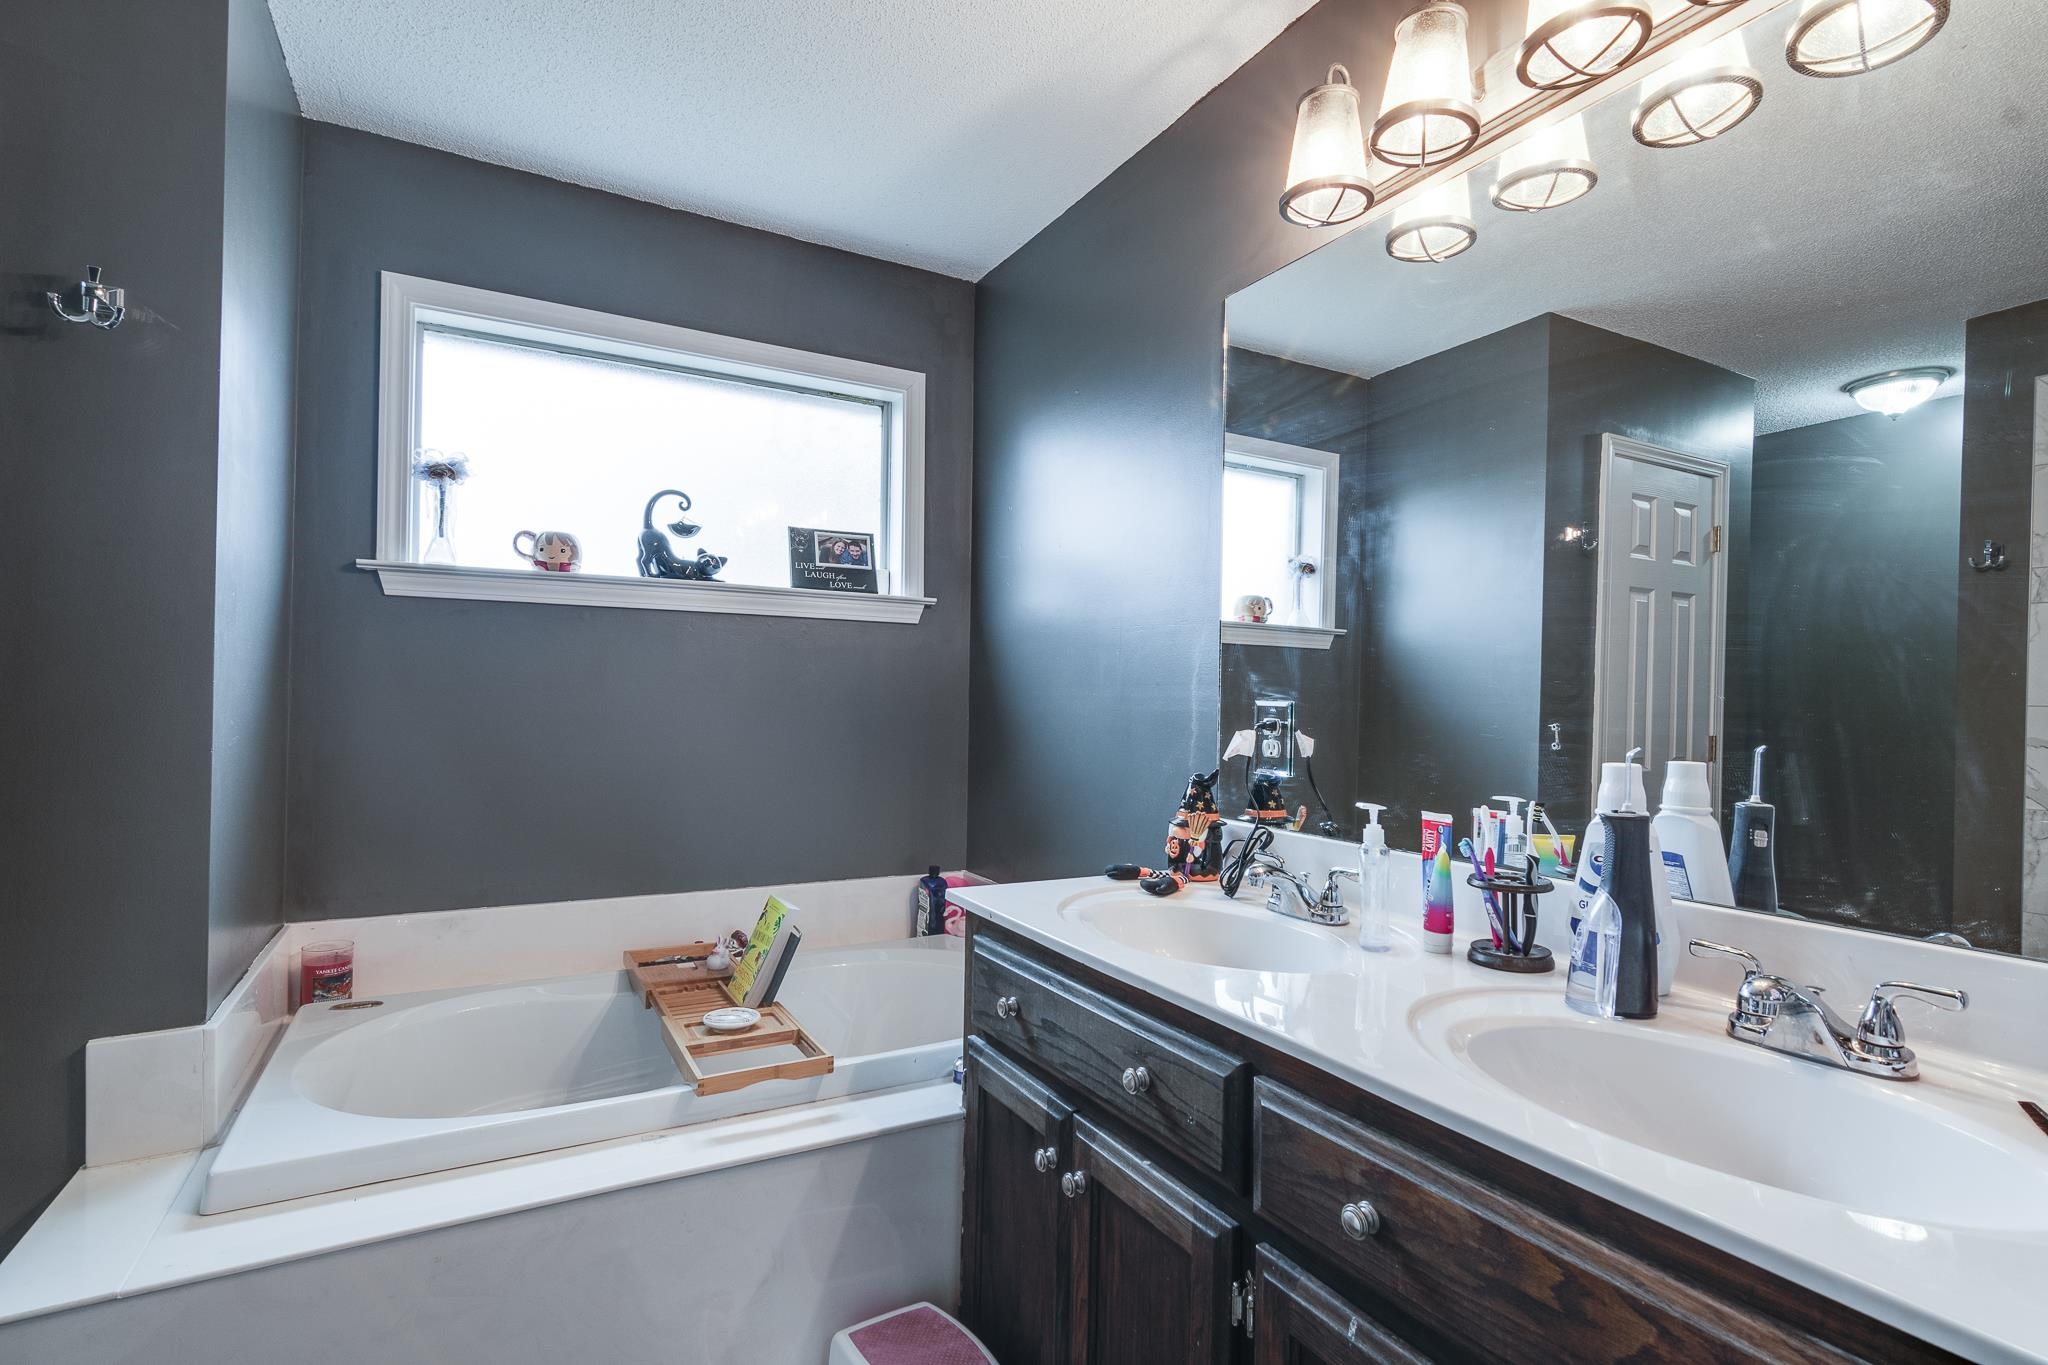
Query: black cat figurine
[[657, 560]]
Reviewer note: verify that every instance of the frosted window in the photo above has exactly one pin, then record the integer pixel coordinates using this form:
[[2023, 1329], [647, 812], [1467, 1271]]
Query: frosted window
[[1262, 514], [559, 441]]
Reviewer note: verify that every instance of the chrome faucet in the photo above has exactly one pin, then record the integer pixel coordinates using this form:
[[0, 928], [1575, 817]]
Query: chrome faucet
[[1326, 908], [1786, 1017]]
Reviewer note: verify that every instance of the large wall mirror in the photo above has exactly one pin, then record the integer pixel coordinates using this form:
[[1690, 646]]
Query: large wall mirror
[[1607, 476]]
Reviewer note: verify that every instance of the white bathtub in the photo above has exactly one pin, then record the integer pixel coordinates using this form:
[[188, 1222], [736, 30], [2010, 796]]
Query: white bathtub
[[440, 1079]]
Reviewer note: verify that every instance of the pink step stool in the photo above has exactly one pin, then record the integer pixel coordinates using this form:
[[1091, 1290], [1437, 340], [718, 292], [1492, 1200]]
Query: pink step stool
[[917, 1335]]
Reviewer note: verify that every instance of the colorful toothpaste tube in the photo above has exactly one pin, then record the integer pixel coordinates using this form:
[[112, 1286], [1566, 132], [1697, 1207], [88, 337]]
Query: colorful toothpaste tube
[[1437, 919]]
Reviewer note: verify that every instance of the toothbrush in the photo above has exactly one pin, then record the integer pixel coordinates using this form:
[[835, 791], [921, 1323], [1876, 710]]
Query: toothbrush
[[1493, 918], [1482, 837]]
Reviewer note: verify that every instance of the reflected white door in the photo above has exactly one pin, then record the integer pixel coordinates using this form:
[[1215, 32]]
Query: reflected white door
[[1660, 632]]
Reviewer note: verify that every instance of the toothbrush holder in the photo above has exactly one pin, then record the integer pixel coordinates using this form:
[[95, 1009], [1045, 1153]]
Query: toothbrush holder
[[1517, 899]]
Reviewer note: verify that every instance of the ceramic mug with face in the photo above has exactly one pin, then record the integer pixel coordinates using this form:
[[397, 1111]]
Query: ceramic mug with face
[[1255, 609], [549, 551]]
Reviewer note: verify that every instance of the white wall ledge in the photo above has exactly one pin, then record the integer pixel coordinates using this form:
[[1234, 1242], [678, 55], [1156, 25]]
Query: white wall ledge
[[1269, 633], [401, 579]]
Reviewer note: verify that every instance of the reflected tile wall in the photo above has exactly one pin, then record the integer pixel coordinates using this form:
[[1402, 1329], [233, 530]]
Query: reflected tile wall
[[2034, 844]]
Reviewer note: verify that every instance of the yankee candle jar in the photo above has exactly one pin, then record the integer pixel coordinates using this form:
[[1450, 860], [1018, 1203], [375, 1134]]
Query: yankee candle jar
[[327, 971]]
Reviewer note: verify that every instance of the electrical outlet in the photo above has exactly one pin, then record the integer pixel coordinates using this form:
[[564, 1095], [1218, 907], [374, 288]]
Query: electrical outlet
[[1273, 736]]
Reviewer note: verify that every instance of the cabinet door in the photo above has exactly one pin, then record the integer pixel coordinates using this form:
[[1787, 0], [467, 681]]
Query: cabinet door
[[1150, 1261], [1297, 1321], [1012, 1251]]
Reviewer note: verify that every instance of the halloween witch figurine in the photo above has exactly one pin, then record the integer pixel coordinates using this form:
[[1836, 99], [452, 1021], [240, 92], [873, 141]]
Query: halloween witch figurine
[[1194, 844]]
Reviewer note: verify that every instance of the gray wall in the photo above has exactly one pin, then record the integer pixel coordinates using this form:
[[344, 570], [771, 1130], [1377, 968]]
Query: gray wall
[[437, 758], [112, 125], [1099, 430], [1304, 405], [252, 567], [1454, 578], [1853, 629], [2004, 353]]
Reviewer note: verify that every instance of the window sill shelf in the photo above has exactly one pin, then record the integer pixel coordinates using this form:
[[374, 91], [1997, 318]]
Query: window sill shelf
[[1286, 637], [645, 594]]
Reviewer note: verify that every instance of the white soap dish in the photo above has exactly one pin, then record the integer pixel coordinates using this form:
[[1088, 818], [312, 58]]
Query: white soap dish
[[731, 1019]]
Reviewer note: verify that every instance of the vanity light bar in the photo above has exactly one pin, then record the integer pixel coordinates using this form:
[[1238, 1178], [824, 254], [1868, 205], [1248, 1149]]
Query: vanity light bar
[[1430, 125]]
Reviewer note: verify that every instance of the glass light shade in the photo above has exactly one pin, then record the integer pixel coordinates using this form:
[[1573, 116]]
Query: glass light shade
[[1328, 181], [1427, 115], [1434, 225], [1546, 171], [1850, 37], [1572, 42], [1700, 96], [1898, 391]]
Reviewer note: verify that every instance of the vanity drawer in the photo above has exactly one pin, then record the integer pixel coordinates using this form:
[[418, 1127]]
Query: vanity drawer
[[1500, 1275], [1173, 1087]]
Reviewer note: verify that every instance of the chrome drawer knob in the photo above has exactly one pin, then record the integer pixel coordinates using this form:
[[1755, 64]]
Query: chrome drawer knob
[[1045, 1158], [1137, 1080], [1073, 1184], [1006, 1007], [1360, 1220]]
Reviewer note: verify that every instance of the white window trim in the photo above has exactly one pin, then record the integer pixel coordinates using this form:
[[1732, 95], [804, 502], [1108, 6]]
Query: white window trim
[[409, 301], [1272, 633], [1254, 450]]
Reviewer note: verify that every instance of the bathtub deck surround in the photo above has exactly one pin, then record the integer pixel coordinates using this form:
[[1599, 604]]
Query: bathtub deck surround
[[578, 1099], [482, 1262], [194, 1078], [439, 1080], [1920, 1206], [491, 1085]]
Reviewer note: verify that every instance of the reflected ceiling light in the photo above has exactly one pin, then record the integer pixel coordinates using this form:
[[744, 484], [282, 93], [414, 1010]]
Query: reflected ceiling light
[[1700, 96], [1328, 181], [1850, 37], [1427, 115], [1546, 171], [1898, 391], [1572, 42], [1434, 225]]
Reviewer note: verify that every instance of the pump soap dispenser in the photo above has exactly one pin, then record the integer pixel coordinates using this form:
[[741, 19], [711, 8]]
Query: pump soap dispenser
[[1375, 883]]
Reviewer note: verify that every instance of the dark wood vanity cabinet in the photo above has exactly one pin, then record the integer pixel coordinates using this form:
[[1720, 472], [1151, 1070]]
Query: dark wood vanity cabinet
[[1144, 1186], [1013, 1283], [1151, 1264], [1297, 1320]]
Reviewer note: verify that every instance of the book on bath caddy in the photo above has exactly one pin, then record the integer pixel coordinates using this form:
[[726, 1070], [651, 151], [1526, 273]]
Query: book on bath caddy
[[758, 969]]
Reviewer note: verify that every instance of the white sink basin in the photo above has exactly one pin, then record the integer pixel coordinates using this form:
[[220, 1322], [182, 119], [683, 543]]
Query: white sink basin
[[1903, 1152], [1204, 926]]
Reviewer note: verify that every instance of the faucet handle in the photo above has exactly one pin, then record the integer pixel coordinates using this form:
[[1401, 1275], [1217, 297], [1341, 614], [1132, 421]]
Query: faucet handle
[[1880, 1028], [1701, 947]]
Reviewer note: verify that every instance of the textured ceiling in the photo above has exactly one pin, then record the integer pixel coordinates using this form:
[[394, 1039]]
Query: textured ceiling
[[1850, 226], [938, 134]]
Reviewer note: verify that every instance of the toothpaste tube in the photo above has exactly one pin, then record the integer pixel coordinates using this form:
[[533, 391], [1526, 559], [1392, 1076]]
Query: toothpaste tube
[[1437, 917]]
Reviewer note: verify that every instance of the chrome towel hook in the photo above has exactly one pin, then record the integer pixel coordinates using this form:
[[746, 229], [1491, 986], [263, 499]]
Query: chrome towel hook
[[98, 304], [1994, 557]]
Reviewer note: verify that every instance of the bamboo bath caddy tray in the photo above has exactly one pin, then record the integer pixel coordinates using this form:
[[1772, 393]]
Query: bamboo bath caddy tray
[[684, 992]]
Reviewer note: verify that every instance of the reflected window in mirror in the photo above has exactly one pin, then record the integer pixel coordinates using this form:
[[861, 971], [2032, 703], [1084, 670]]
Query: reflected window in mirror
[[1279, 515]]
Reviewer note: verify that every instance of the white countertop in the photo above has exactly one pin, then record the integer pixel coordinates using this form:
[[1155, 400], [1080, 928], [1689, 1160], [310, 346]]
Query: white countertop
[[1375, 1020]]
